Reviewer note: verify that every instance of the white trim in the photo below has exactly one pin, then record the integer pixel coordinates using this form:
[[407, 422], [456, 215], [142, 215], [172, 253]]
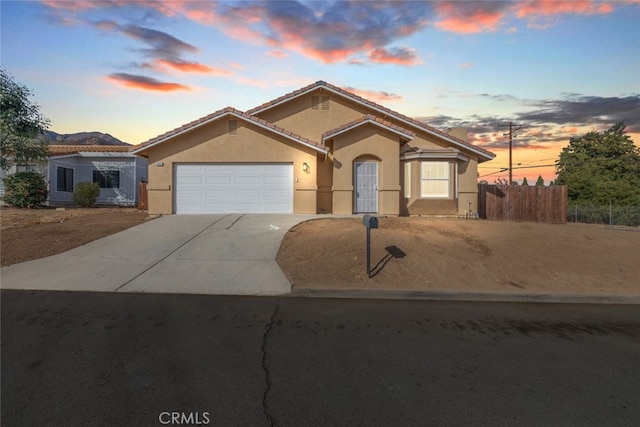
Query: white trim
[[434, 155], [380, 110], [218, 117], [367, 121]]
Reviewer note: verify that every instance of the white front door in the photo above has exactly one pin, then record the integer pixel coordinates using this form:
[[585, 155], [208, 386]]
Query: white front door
[[233, 188], [365, 176]]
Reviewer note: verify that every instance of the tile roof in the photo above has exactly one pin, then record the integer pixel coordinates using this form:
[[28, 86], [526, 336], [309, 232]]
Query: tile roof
[[236, 113], [373, 105], [61, 150], [369, 118]]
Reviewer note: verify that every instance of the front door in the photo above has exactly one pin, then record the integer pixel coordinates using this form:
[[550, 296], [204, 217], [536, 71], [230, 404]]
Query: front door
[[366, 187]]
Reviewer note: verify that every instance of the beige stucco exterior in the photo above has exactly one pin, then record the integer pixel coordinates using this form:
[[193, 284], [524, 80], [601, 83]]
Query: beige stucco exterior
[[278, 134]]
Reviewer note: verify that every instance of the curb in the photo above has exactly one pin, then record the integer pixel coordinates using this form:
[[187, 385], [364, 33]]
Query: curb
[[464, 296]]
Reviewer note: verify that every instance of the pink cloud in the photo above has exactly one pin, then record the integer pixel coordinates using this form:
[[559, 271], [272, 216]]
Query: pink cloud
[[547, 8], [375, 96], [277, 54], [145, 83], [191, 67], [395, 55]]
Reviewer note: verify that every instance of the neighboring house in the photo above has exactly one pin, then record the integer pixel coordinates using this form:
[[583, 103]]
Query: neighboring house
[[319, 149], [113, 168], [39, 166]]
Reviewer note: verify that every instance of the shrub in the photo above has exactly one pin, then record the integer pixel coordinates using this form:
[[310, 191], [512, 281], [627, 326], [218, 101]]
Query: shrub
[[86, 193], [25, 190]]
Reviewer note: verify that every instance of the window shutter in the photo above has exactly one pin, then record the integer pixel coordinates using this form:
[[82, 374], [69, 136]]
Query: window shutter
[[315, 102]]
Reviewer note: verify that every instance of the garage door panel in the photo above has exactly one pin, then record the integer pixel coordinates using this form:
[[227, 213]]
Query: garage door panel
[[218, 180], [234, 188]]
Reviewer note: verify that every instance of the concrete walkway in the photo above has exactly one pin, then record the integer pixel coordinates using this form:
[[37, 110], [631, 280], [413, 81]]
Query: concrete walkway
[[191, 254]]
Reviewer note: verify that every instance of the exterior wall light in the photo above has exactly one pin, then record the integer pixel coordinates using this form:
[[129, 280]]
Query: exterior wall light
[[305, 167]]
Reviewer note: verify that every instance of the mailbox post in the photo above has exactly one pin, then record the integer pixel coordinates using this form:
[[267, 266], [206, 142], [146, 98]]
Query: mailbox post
[[369, 221]]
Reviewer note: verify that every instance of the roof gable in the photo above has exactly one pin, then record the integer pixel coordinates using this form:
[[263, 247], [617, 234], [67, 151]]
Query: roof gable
[[369, 119], [412, 123], [230, 111]]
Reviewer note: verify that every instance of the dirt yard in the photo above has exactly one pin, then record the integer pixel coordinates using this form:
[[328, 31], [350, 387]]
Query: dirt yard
[[37, 233], [457, 254]]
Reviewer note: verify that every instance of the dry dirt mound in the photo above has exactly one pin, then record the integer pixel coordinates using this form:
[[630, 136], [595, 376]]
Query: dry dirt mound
[[455, 254]]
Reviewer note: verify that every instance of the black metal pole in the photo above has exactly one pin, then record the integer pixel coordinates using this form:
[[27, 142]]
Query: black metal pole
[[368, 252]]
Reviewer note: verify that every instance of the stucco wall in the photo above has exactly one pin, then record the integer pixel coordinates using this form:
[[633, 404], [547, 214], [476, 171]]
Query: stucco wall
[[212, 143], [297, 115]]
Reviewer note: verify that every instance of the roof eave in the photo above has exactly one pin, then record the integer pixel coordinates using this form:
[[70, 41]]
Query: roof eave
[[364, 122], [382, 110], [220, 116]]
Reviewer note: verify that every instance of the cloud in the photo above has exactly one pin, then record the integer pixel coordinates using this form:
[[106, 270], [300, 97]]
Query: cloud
[[469, 17], [348, 31], [277, 54], [189, 67], [375, 96], [394, 55], [547, 8], [145, 83], [581, 109]]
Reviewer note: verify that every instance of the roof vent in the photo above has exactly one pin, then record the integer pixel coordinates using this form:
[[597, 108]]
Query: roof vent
[[233, 127], [320, 102]]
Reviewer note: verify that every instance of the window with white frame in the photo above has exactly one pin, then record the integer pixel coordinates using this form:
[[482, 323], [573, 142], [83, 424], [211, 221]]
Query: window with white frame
[[435, 180]]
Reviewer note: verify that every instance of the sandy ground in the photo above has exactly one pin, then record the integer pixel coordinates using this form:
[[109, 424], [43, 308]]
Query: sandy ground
[[456, 254], [28, 234]]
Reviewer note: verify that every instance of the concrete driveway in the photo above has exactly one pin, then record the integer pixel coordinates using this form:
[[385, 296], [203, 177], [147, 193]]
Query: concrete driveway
[[191, 254]]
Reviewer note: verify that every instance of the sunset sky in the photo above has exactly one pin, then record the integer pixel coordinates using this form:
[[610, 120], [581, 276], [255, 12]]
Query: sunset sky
[[137, 68]]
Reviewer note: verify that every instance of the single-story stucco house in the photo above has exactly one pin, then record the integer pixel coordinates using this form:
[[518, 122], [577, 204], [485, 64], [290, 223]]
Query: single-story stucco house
[[113, 168], [319, 149]]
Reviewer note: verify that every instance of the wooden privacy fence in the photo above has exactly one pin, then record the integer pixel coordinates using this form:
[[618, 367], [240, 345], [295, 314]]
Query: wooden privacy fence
[[143, 196], [518, 203]]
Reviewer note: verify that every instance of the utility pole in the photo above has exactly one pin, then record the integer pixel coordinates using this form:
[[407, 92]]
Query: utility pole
[[510, 152], [511, 134]]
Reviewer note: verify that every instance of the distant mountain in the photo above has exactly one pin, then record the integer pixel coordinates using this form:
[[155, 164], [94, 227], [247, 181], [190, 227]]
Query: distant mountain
[[81, 138]]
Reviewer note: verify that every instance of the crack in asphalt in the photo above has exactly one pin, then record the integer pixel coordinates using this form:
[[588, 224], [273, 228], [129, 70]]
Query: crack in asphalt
[[265, 368]]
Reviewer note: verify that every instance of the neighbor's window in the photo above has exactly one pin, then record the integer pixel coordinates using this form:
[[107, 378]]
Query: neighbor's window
[[320, 102], [27, 168], [65, 179], [434, 179], [107, 179]]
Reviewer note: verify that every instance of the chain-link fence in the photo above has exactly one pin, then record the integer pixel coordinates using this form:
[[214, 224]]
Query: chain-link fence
[[608, 214]]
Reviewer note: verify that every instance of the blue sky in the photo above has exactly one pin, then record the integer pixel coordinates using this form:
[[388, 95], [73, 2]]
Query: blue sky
[[136, 69]]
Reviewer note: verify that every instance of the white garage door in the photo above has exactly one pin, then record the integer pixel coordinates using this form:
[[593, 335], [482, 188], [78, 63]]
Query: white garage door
[[233, 188]]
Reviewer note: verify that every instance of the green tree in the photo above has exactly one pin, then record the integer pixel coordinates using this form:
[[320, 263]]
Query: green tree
[[540, 181], [601, 167], [525, 183], [21, 124]]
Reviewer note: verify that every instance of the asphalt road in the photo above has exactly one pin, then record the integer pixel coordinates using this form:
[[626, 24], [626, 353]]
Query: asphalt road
[[72, 359]]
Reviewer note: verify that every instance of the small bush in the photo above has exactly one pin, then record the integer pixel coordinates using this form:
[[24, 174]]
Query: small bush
[[86, 194], [25, 190]]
